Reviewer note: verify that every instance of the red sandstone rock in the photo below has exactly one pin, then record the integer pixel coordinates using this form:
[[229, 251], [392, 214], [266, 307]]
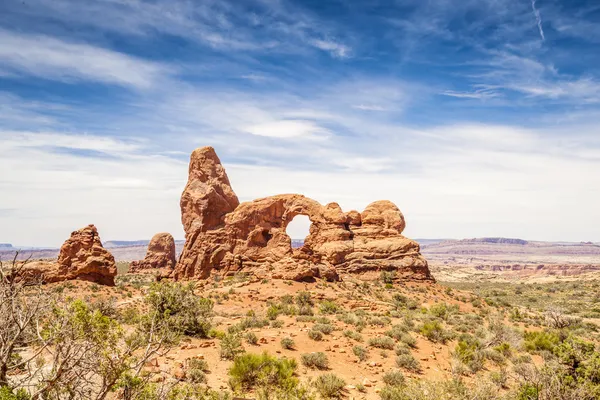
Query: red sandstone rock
[[160, 257], [81, 257], [223, 237]]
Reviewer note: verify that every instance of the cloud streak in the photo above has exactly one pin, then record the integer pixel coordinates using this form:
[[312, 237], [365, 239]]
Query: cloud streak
[[538, 19], [50, 58]]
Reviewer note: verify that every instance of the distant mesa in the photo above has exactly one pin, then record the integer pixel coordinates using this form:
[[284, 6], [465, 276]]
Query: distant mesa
[[224, 236], [81, 257], [496, 240], [6, 246]]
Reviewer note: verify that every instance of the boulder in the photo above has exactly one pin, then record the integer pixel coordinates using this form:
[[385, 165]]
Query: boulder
[[160, 257], [224, 237]]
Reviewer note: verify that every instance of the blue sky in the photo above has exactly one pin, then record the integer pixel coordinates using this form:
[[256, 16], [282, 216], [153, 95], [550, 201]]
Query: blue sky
[[476, 117]]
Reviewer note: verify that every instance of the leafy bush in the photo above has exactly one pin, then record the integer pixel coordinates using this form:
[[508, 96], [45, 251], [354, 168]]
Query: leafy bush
[[251, 338], [195, 370], [353, 335], [542, 340], [394, 378], [262, 370], [316, 360], [434, 331], [6, 393], [323, 328], [304, 299], [287, 343], [315, 335], [382, 342], [360, 352], [180, 307], [329, 386], [408, 362], [328, 307], [231, 346]]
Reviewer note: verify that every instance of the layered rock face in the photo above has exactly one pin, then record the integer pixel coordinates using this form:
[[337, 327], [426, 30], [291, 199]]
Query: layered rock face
[[81, 257], [160, 257], [224, 237]]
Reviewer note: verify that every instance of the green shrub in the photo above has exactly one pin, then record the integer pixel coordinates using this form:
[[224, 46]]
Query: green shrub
[[434, 331], [251, 338], [408, 339], [287, 343], [277, 324], [328, 307], [388, 277], [304, 299], [196, 369], [353, 335], [7, 393], [315, 335], [316, 360], [542, 340], [177, 304], [262, 370], [329, 386], [382, 342], [394, 378], [273, 312], [407, 361], [252, 321], [231, 346], [323, 328], [360, 352]]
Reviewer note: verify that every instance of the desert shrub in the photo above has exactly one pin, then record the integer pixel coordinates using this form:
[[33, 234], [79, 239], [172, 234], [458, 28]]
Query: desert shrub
[[387, 276], [252, 321], [396, 332], [305, 310], [231, 346], [195, 370], [316, 360], [7, 393], [407, 361], [262, 370], [394, 378], [434, 331], [393, 393], [328, 307], [305, 318], [539, 341], [251, 338], [402, 349], [277, 324], [287, 343], [442, 310], [382, 342], [273, 312], [353, 335], [360, 352], [408, 339], [177, 304], [329, 386], [304, 299], [315, 335], [323, 328], [499, 378]]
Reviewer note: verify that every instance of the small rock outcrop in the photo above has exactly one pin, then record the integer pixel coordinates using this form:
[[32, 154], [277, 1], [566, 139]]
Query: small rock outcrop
[[81, 257], [160, 257], [225, 237]]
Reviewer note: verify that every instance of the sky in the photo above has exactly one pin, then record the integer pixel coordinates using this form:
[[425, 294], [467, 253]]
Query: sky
[[476, 117]]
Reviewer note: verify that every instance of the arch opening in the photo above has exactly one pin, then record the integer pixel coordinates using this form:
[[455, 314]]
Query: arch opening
[[298, 229]]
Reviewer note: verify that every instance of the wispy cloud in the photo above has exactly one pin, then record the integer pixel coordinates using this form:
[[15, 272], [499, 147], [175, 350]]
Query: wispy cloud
[[50, 58], [538, 19], [336, 49]]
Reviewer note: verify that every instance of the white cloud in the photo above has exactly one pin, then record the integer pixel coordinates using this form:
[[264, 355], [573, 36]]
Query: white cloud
[[50, 58], [289, 129], [336, 49]]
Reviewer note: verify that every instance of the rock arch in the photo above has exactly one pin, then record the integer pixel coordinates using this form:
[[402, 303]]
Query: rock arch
[[251, 236]]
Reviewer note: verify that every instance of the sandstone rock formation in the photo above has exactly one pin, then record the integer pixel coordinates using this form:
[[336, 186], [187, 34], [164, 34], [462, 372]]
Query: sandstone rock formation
[[224, 237], [160, 257], [81, 257]]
